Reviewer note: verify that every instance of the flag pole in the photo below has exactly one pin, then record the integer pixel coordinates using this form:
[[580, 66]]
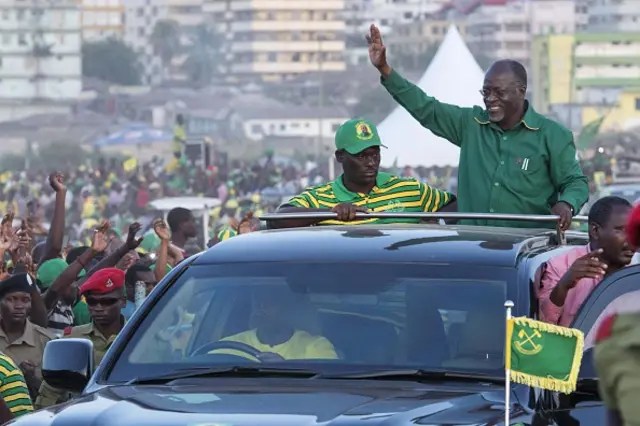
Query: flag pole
[[507, 373]]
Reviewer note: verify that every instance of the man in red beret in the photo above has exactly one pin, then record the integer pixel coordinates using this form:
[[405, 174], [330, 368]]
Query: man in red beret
[[105, 298]]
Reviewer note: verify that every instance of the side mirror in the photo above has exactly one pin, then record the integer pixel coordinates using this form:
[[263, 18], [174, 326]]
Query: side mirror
[[68, 364]]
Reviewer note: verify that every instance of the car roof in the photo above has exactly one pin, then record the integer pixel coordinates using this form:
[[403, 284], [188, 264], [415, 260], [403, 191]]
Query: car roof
[[389, 243]]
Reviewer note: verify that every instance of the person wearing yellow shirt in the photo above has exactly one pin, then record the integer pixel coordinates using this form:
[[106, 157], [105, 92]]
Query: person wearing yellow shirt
[[179, 136], [275, 336]]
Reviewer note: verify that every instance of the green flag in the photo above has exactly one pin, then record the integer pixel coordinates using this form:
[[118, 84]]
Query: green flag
[[588, 134], [543, 355]]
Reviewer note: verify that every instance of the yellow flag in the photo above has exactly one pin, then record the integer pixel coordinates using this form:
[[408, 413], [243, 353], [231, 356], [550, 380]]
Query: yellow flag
[[130, 165]]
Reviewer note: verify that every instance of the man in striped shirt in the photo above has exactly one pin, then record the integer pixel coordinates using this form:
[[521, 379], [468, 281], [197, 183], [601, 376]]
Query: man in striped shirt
[[13, 390], [362, 187]]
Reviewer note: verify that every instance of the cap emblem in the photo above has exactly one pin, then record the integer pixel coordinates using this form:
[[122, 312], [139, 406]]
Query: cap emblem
[[363, 131]]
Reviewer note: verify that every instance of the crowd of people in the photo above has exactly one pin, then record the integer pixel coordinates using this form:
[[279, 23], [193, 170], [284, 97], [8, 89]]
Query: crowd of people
[[78, 261]]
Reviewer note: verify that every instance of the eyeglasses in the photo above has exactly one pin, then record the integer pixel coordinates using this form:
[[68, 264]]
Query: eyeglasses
[[105, 302], [498, 93]]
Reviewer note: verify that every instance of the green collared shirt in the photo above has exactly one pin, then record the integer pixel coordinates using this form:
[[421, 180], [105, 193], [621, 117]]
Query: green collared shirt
[[390, 194], [524, 170]]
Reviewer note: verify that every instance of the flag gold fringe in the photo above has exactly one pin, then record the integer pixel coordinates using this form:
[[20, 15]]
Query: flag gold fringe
[[564, 386], [543, 382]]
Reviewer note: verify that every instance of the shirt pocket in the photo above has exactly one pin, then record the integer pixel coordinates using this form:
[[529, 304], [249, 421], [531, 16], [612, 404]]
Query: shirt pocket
[[527, 173]]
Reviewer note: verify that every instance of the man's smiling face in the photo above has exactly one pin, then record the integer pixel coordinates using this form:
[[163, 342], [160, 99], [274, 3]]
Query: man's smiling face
[[503, 94]]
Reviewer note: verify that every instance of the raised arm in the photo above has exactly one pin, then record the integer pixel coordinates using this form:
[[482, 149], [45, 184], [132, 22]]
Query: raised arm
[[444, 120]]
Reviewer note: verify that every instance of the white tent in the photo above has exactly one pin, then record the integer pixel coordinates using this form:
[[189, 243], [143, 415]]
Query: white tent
[[453, 77]]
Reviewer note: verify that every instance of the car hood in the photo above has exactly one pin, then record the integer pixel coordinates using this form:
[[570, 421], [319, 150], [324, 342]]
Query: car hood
[[223, 402]]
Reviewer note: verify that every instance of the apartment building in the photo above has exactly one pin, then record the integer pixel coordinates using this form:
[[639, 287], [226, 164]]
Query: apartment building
[[500, 29], [101, 19], [388, 15], [40, 61], [359, 14], [614, 16], [274, 40], [141, 17], [417, 38], [581, 77], [189, 14]]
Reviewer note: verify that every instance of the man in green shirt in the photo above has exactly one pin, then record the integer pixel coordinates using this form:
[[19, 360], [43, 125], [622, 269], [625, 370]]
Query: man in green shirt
[[512, 159], [362, 187]]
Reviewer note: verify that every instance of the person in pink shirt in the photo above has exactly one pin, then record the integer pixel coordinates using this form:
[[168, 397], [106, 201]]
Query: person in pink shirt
[[567, 280]]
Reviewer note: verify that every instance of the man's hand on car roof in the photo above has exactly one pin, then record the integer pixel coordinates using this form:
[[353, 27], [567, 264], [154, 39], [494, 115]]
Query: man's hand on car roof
[[347, 211]]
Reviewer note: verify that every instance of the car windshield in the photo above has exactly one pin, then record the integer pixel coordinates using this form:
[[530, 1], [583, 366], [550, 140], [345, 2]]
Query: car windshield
[[323, 317]]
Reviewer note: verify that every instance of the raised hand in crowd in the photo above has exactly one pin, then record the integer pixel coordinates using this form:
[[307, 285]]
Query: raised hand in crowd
[[56, 180], [161, 229], [132, 242], [6, 233], [100, 240], [249, 223]]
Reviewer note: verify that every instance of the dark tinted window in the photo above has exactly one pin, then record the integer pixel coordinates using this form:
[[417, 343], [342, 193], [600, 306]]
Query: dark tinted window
[[356, 314]]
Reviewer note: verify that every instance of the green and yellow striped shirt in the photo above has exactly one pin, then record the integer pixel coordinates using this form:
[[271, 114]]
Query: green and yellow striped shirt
[[13, 387], [390, 194]]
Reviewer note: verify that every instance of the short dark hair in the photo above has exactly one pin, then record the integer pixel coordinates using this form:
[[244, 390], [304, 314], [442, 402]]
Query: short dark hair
[[518, 71], [601, 210], [514, 67], [131, 276], [177, 216]]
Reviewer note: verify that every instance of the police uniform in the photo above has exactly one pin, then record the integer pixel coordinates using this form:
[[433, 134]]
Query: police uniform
[[30, 345], [103, 281], [617, 362]]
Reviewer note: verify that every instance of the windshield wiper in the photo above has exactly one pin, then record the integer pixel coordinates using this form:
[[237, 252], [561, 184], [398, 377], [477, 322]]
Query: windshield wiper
[[237, 371], [412, 374]]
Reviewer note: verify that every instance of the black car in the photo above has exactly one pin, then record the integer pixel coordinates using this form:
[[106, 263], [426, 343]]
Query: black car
[[411, 317]]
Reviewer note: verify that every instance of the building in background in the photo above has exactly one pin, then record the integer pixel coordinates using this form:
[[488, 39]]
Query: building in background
[[268, 40], [417, 39], [580, 78], [40, 60], [101, 19], [387, 15], [141, 17], [187, 13], [613, 16], [501, 29]]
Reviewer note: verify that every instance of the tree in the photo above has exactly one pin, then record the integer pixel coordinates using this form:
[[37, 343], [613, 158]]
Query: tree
[[203, 56], [165, 40], [111, 60]]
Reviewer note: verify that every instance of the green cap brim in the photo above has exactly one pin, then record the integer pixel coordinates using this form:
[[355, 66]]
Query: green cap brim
[[357, 149]]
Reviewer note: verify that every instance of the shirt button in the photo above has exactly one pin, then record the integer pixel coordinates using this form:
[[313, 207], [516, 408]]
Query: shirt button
[[496, 184], [504, 138], [492, 211], [502, 163]]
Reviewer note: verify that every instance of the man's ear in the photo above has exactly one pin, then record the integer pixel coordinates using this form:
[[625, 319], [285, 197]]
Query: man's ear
[[594, 231], [339, 156]]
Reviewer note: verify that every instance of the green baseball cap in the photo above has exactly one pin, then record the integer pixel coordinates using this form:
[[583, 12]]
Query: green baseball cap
[[50, 270], [355, 136]]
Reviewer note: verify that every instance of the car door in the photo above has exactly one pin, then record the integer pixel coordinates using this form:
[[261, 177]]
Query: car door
[[618, 293]]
